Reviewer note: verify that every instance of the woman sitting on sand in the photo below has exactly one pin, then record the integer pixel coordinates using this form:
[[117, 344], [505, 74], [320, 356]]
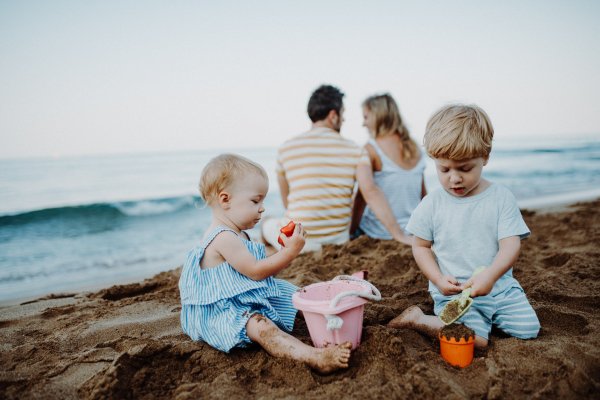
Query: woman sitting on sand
[[392, 184]]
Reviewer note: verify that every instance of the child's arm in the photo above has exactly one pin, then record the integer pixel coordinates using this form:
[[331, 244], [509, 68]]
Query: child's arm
[[233, 250], [482, 283], [447, 284]]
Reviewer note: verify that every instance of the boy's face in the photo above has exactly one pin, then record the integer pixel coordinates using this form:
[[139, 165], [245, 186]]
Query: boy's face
[[246, 201], [461, 178]]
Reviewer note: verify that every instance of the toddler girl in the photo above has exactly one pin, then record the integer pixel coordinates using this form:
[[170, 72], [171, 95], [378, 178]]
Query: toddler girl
[[228, 294]]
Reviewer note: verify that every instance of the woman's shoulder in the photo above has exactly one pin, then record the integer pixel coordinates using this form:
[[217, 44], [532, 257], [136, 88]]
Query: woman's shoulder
[[392, 147], [371, 147]]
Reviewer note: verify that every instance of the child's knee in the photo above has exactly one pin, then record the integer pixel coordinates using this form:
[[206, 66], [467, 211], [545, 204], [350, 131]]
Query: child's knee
[[535, 330], [260, 321], [532, 332], [526, 330], [258, 324]]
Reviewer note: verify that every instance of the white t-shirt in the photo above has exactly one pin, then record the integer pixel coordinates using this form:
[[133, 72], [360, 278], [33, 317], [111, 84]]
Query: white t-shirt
[[465, 231]]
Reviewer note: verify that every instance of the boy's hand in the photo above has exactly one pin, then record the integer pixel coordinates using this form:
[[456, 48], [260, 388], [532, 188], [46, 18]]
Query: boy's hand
[[447, 285], [481, 284], [296, 241]]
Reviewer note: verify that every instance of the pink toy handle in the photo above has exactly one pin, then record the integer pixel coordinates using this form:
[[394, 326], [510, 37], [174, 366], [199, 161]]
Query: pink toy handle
[[334, 322], [336, 299]]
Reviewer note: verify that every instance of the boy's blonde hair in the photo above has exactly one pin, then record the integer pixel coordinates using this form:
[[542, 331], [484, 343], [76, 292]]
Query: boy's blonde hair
[[458, 132], [223, 171], [388, 121]]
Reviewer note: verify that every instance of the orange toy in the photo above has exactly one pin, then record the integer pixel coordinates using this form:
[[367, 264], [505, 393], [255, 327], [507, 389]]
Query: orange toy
[[288, 231], [457, 353]]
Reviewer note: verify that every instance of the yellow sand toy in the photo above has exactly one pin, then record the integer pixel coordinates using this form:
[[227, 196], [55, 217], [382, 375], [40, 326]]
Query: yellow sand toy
[[456, 308]]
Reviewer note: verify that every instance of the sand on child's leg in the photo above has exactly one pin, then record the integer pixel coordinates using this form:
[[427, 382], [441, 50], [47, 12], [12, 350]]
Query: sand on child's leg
[[428, 325], [279, 344]]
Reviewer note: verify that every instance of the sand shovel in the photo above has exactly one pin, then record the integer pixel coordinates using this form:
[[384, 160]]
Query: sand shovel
[[456, 308]]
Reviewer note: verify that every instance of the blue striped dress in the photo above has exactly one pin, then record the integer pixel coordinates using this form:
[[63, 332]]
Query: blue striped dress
[[217, 302]]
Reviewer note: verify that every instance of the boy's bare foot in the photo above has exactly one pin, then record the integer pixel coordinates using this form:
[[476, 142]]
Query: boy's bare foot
[[408, 319], [331, 359], [413, 318]]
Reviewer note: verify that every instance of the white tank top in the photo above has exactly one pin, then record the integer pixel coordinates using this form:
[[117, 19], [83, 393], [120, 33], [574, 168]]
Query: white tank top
[[402, 189]]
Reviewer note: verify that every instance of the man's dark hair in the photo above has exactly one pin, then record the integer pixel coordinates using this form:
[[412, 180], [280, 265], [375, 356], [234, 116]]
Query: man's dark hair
[[323, 100]]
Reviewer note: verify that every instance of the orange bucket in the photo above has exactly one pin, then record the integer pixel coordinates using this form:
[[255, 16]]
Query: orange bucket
[[457, 353]]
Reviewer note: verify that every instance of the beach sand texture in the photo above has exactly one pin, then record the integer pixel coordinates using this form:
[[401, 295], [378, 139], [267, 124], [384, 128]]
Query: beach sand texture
[[126, 341]]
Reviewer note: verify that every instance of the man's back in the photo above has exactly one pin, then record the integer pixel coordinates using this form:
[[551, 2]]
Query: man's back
[[320, 168]]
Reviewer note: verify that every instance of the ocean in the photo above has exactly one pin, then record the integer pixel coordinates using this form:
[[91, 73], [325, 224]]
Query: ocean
[[71, 223]]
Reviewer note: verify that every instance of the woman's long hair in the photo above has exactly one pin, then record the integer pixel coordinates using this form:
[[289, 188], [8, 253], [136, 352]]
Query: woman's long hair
[[388, 121]]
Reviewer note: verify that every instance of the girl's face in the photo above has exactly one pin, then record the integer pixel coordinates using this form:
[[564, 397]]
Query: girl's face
[[246, 201], [369, 121]]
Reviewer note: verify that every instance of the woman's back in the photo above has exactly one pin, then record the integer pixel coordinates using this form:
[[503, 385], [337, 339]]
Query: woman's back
[[393, 148], [399, 178]]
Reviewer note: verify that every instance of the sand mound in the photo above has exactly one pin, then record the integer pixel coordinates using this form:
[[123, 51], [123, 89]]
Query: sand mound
[[126, 341]]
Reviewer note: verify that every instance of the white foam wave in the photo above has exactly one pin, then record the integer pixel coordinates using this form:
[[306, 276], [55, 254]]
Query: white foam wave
[[154, 207]]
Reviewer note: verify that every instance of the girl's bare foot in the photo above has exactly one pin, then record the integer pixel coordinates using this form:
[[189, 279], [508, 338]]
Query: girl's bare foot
[[331, 359], [280, 344], [408, 319]]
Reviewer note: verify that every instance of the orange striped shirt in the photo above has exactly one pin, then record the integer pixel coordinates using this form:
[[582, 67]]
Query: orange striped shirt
[[320, 168]]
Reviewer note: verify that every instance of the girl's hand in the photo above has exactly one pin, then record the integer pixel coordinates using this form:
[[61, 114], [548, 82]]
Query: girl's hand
[[296, 241], [448, 285]]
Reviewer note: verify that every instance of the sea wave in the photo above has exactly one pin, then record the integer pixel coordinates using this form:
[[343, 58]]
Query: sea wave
[[140, 208], [153, 207]]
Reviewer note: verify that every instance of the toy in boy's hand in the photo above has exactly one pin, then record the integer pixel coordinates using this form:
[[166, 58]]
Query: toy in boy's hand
[[456, 308], [288, 231]]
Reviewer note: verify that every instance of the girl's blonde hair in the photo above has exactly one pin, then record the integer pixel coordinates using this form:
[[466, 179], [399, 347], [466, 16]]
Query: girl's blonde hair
[[458, 132], [223, 171], [388, 121]]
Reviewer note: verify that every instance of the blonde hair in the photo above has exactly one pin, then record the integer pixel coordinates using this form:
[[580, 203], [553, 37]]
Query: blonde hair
[[388, 121], [223, 171], [458, 132]]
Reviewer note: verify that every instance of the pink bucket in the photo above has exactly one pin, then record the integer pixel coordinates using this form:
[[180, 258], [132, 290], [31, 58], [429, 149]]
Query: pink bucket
[[314, 302]]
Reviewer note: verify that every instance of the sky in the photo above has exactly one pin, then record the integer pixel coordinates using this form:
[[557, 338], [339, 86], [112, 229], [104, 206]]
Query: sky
[[113, 77]]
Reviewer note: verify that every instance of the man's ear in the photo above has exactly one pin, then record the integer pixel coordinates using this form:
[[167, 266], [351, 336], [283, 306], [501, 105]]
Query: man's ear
[[333, 117], [224, 200], [485, 160]]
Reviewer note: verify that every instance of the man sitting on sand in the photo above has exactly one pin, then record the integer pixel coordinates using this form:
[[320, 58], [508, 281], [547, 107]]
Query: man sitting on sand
[[469, 222], [317, 172]]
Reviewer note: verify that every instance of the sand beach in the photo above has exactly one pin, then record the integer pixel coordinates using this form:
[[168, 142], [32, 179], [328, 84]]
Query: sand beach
[[126, 341]]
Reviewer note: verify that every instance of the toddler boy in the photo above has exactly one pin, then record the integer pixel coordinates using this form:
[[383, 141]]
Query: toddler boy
[[468, 222]]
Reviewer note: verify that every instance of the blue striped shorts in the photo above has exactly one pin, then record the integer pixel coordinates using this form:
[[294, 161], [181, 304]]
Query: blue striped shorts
[[509, 311]]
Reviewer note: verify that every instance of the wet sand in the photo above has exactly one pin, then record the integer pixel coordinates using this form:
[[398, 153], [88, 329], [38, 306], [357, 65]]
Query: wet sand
[[126, 341]]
